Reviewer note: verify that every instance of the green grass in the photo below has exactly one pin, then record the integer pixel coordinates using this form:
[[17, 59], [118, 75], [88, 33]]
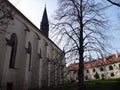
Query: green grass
[[67, 86], [108, 84]]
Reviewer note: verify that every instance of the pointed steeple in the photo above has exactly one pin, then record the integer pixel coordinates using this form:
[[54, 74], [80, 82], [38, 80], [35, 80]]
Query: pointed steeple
[[44, 27]]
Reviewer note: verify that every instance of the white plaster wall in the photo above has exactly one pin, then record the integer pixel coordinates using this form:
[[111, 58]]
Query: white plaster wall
[[21, 77], [10, 75], [106, 72], [2, 56]]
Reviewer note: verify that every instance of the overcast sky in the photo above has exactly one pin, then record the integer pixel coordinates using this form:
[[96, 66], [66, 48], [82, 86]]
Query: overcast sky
[[33, 10]]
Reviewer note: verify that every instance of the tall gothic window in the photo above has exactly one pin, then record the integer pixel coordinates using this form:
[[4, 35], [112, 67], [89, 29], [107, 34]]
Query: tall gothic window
[[30, 53], [13, 41]]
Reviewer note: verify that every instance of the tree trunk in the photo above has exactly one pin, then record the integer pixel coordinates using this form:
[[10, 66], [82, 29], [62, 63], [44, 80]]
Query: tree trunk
[[81, 51]]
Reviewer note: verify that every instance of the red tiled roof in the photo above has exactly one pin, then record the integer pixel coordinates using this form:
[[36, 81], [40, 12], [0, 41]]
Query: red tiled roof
[[98, 62], [73, 67]]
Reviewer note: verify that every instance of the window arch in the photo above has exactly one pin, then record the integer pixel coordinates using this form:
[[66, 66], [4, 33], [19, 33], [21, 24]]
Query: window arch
[[14, 42], [110, 67], [112, 75], [30, 53]]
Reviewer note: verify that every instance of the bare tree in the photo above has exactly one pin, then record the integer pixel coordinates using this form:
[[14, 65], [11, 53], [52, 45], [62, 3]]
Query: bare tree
[[114, 2], [80, 26]]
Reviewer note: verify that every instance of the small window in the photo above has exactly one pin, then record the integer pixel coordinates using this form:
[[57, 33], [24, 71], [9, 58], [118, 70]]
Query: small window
[[94, 70], [101, 69], [86, 77], [75, 72], [87, 71], [119, 66], [96, 76], [118, 56], [112, 75], [110, 67]]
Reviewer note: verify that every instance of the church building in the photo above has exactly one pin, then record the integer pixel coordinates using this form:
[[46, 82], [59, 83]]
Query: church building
[[28, 58]]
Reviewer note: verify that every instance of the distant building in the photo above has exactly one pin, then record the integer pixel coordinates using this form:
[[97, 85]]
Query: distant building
[[108, 67], [28, 58]]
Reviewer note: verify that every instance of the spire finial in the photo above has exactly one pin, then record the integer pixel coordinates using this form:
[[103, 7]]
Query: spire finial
[[45, 4]]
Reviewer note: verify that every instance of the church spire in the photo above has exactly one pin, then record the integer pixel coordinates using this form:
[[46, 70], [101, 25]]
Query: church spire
[[45, 24]]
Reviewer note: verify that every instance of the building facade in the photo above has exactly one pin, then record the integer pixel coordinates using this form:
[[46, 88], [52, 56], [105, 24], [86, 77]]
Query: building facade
[[28, 58], [103, 68]]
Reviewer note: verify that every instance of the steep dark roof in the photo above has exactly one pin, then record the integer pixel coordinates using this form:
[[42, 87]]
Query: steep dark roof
[[44, 27], [45, 17]]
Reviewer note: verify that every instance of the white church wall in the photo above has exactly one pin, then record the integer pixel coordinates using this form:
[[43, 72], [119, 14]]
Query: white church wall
[[23, 77], [2, 56], [10, 73]]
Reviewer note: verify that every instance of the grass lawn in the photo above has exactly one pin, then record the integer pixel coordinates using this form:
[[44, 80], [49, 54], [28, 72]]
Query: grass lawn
[[110, 84], [67, 86]]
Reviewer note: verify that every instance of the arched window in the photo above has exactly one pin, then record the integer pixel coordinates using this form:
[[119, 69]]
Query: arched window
[[101, 69], [86, 77], [94, 70], [119, 66], [110, 67], [13, 41], [112, 75], [75, 72], [96, 76], [29, 52], [87, 71]]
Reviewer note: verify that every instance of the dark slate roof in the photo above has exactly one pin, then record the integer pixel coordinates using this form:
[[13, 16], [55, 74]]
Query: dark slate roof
[[45, 17]]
